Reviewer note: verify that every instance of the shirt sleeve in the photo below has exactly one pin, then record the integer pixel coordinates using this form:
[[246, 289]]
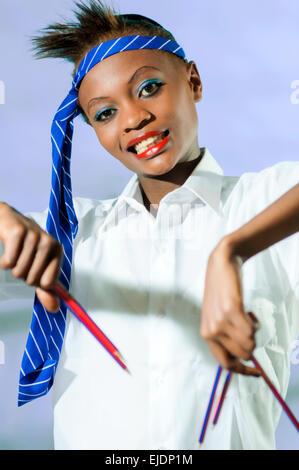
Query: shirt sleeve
[[259, 191], [10, 286], [285, 254], [283, 177]]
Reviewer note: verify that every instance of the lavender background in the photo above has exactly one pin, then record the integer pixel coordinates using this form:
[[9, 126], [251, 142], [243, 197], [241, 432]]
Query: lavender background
[[247, 56]]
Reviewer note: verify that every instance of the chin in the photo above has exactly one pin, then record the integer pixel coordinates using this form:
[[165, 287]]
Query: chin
[[158, 165]]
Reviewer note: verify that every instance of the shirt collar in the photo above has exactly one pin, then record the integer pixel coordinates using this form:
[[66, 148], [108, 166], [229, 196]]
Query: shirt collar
[[204, 183]]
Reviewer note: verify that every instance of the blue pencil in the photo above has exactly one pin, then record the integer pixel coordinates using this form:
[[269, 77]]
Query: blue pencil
[[222, 396], [208, 412]]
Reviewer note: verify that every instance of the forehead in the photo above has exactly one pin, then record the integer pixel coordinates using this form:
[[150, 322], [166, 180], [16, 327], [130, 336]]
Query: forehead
[[120, 67]]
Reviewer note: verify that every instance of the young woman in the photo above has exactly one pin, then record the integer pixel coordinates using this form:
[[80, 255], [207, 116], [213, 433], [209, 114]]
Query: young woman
[[157, 265]]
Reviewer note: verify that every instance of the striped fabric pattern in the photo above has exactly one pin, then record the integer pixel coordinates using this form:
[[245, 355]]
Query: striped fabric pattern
[[45, 339]]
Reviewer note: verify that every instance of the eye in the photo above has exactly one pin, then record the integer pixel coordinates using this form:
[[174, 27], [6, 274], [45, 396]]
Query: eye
[[150, 87], [104, 115]]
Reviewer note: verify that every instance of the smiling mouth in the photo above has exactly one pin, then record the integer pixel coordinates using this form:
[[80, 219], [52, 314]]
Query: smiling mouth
[[147, 144]]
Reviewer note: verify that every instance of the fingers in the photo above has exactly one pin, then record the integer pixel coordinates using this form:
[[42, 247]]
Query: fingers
[[50, 275], [31, 253], [45, 268], [12, 248], [233, 341], [23, 263], [49, 300], [240, 333], [242, 323], [245, 339], [237, 345], [231, 363], [37, 258]]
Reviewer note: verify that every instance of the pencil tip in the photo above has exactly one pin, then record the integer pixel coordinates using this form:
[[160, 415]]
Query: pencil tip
[[119, 355]]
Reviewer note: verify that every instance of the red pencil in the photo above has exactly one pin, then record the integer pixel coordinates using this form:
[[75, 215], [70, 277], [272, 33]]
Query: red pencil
[[276, 394], [81, 314], [222, 396], [210, 405], [270, 385]]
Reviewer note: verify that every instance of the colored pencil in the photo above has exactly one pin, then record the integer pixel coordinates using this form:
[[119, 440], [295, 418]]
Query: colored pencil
[[276, 394], [224, 391], [222, 396], [211, 400], [82, 315]]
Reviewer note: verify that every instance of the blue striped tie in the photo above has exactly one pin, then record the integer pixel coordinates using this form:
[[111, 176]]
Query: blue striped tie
[[47, 330]]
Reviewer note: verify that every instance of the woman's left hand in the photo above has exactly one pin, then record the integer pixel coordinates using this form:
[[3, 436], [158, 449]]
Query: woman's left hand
[[228, 330]]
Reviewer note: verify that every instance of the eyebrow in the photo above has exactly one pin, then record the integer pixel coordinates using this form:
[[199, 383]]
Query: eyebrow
[[98, 98]]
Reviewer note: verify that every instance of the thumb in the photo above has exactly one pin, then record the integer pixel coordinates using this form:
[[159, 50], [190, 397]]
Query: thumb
[[49, 300]]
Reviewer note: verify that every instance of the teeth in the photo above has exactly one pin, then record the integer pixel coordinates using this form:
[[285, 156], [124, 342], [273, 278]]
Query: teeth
[[144, 144]]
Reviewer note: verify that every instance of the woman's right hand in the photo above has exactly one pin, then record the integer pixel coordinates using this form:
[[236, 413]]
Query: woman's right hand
[[31, 254]]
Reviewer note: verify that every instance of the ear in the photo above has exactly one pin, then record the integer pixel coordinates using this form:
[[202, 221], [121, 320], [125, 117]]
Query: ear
[[194, 81]]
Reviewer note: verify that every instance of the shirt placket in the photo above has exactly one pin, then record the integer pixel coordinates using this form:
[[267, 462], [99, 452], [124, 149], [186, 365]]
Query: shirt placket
[[161, 279]]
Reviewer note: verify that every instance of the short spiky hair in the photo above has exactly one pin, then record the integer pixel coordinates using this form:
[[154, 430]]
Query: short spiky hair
[[96, 22]]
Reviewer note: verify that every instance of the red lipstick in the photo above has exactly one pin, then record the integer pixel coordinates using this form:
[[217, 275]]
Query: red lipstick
[[154, 149], [143, 137]]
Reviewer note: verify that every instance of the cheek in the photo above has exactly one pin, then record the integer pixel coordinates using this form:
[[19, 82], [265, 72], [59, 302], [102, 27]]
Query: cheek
[[182, 115], [188, 112], [107, 138]]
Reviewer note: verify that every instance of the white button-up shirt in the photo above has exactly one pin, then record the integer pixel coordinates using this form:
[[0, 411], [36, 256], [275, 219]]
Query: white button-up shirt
[[141, 279]]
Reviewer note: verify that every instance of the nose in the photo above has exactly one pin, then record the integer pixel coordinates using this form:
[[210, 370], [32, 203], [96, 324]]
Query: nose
[[135, 116]]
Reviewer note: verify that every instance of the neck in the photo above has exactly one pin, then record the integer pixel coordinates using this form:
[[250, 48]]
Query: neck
[[153, 189]]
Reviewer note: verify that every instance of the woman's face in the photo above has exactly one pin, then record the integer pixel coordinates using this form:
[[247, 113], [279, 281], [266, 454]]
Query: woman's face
[[132, 93]]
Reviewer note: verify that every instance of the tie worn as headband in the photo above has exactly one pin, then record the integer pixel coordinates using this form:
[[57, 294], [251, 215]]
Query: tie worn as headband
[[47, 331]]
